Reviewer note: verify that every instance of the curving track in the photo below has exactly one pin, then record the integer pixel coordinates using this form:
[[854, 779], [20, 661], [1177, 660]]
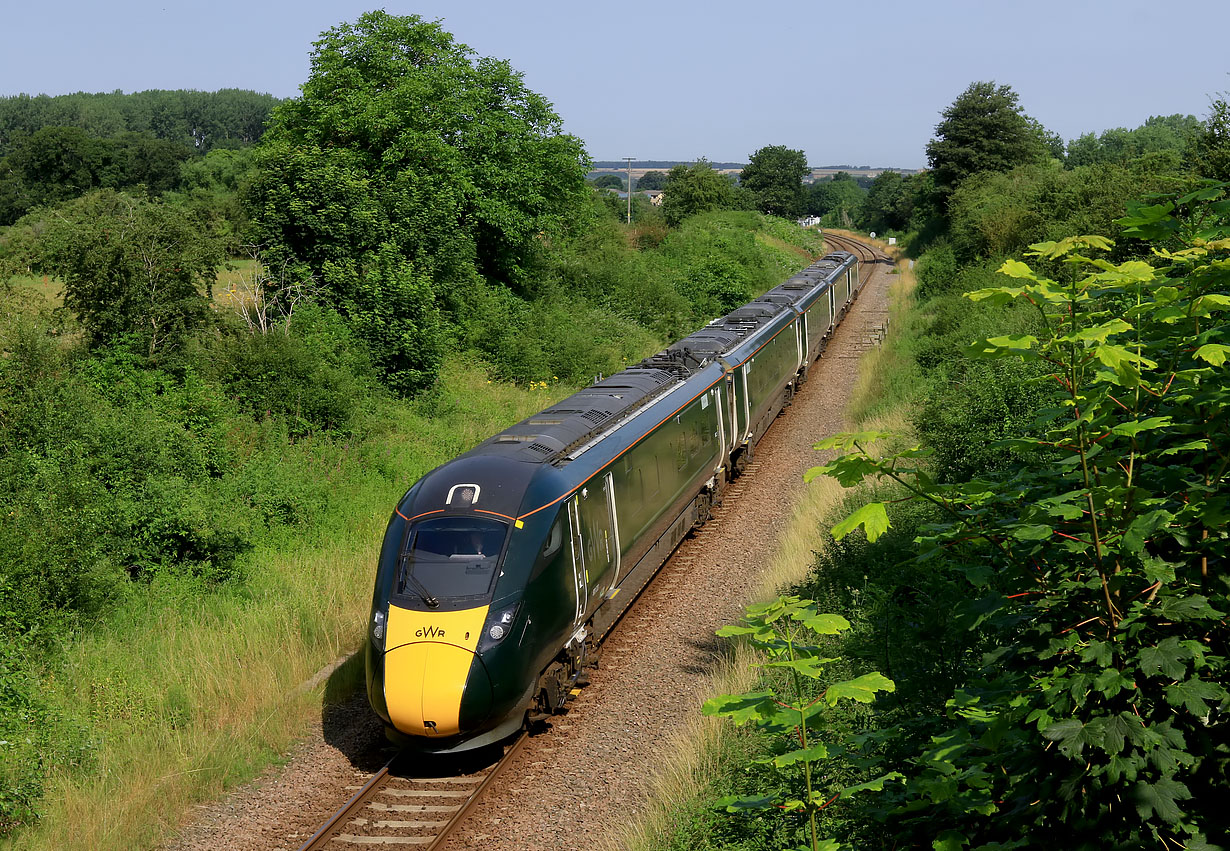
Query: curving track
[[438, 803]]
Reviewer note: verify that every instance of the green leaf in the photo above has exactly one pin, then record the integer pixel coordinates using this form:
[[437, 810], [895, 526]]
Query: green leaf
[[1098, 333], [1031, 533], [950, 840], [826, 624], [1214, 353], [1160, 798], [1192, 694], [873, 517], [744, 803], [876, 785], [1166, 658], [861, 689], [1137, 426], [849, 470], [742, 708], [812, 754]]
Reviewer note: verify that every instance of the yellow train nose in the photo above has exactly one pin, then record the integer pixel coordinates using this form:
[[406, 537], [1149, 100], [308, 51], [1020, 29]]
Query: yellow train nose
[[427, 667]]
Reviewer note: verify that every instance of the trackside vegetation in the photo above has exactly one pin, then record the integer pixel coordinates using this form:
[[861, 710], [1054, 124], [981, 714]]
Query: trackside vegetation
[[1035, 560], [214, 389]]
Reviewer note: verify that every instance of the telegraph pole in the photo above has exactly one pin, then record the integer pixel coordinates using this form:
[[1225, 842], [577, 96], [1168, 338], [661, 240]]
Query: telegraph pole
[[629, 161]]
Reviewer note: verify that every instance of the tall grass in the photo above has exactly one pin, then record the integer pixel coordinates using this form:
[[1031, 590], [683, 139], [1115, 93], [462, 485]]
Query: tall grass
[[188, 691]]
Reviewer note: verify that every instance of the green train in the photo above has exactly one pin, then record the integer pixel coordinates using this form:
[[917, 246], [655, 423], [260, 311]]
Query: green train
[[502, 570]]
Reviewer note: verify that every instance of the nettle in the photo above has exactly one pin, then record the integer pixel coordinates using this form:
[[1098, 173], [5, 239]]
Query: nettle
[[1098, 571], [784, 631]]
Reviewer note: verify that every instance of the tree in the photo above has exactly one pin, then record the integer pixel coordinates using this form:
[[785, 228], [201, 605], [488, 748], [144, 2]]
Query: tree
[[403, 141], [51, 165], [889, 203], [1210, 147], [651, 180], [983, 130], [132, 268], [840, 195], [696, 188], [775, 175], [609, 181]]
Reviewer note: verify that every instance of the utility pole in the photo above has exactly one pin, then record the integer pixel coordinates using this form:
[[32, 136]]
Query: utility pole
[[629, 161]]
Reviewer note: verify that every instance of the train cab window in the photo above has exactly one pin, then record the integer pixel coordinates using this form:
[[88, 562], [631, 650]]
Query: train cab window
[[554, 538], [451, 556]]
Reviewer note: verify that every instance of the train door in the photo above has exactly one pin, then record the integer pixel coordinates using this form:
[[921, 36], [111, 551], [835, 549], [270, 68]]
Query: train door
[[799, 334], [733, 407], [580, 590], [716, 394], [597, 545]]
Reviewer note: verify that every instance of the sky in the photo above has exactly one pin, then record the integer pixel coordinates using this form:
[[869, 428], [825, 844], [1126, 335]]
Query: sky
[[847, 83]]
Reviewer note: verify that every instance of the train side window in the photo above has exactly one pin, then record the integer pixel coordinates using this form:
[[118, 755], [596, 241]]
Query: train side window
[[554, 539]]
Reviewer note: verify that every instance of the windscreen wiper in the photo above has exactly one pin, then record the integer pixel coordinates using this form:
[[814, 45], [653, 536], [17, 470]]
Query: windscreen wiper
[[431, 601]]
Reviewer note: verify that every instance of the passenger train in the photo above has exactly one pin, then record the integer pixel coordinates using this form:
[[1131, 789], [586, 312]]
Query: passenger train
[[502, 570]]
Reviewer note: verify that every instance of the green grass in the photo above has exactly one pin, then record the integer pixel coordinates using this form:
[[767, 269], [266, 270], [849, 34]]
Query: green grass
[[187, 691]]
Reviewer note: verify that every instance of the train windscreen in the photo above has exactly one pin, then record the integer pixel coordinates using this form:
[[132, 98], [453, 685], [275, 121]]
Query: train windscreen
[[451, 557]]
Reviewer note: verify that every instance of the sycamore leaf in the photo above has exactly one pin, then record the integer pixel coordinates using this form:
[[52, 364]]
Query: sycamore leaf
[[873, 517], [1160, 798], [1135, 427], [1214, 353], [1166, 658], [743, 803], [1192, 694], [742, 708], [813, 754], [862, 689], [876, 785], [950, 840], [1097, 333], [849, 470], [1031, 533], [826, 624], [811, 667]]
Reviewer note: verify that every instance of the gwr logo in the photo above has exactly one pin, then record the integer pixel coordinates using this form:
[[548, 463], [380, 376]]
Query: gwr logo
[[429, 632]]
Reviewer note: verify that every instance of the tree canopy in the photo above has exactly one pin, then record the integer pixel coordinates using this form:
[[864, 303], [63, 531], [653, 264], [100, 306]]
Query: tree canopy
[[408, 158], [696, 188], [651, 180], [775, 175], [984, 129]]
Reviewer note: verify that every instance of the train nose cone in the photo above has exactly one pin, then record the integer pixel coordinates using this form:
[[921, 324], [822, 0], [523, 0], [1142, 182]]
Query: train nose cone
[[424, 684]]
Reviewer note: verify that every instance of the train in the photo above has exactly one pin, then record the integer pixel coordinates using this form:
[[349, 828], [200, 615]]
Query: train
[[502, 570]]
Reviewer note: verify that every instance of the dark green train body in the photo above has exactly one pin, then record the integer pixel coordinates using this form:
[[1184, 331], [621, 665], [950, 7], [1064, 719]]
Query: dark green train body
[[502, 569]]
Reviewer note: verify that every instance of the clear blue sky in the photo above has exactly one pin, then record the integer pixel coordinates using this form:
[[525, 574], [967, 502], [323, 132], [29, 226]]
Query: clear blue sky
[[677, 79]]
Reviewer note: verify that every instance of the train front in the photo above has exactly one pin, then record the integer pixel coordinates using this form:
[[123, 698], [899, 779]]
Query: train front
[[446, 657]]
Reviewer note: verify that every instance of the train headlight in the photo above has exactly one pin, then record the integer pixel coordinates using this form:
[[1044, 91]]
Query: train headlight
[[378, 620], [499, 624]]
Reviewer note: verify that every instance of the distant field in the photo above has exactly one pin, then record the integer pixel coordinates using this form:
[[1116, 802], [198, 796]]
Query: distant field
[[228, 280]]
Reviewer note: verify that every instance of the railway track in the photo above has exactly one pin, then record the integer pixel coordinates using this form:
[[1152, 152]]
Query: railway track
[[413, 801], [865, 253], [417, 801]]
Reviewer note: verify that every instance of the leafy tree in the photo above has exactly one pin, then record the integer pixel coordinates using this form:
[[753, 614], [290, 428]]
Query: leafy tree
[[51, 165], [693, 189], [609, 181], [1210, 147], [132, 268], [1169, 133], [889, 203], [775, 175], [984, 129], [651, 180], [404, 143], [1094, 566], [838, 197]]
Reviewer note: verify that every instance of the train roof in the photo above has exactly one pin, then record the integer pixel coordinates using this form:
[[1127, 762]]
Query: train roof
[[552, 433]]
